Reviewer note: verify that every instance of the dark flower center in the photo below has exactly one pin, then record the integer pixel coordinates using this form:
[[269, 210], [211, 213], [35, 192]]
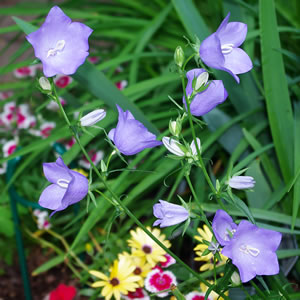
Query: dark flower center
[[115, 281], [137, 271], [147, 249]]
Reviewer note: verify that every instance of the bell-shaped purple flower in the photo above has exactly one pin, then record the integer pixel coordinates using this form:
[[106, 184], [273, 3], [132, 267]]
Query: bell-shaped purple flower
[[61, 45], [241, 182], [253, 250], [223, 227], [131, 136], [221, 49], [67, 188], [208, 99], [169, 214]]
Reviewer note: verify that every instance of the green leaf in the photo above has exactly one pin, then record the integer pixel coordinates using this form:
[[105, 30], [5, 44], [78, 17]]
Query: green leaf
[[296, 199], [276, 89]]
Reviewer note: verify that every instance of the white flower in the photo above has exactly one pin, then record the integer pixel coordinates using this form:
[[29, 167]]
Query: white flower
[[241, 182], [93, 117]]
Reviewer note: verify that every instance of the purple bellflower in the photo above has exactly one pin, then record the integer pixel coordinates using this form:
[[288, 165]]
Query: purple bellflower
[[221, 49], [241, 182], [61, 45], [169, 214], [223, 227], [131, 136], [204, 101], [253, 250], [67, 188]]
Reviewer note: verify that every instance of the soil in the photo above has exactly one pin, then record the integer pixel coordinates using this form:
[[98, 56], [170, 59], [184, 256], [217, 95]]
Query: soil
[[11, 287]]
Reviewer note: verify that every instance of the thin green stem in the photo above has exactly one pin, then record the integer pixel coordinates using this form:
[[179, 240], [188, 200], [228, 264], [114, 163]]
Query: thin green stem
[[258, 290]]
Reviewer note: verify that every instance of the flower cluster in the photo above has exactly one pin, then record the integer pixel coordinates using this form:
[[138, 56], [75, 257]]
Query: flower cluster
[[143, 267]]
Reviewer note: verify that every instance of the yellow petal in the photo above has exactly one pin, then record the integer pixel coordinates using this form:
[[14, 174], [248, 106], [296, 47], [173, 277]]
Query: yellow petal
[[99, 274]]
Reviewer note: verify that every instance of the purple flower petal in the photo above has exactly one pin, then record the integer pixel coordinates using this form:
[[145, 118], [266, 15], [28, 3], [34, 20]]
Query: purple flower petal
[[252, 250], [77, 189], [238, 61], [220, 49], [55, 171], [207, 100], [131, 136], [223, 224], [52, 196], [169, 214], [61, 45]]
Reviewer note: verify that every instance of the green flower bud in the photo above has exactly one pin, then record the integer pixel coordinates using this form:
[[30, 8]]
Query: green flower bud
[[179, 56]]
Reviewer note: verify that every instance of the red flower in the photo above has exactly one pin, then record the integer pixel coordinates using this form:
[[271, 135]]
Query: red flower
[[63, 292]]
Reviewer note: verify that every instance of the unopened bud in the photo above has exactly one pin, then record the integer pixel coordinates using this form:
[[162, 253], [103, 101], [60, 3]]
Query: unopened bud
[[175, 127], [201, 80], [173, 146], [179, 56], [235, 278], [45, 84], [103, 166], [93, 117]]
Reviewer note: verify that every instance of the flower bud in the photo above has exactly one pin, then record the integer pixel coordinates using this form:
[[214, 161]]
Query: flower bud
[[193, 147], [241, 182], [175, 127], [235, 278], [179, 56], [45, 84], [173, 146], [201, 80], [93, 117]]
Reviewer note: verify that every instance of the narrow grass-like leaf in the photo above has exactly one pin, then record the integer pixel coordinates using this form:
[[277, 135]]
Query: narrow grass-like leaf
[[296, 199], [276, 89]]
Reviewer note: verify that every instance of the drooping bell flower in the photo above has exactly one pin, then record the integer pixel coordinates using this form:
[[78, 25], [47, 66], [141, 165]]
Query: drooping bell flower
[[93, 117], [253, 250], [223, 227], [67, 188], [169, 214], [206, 100], [241, 182], [61, 45], [131, 136], [221, 49]]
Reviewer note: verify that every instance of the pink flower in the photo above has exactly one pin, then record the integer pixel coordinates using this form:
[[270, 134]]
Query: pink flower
[[46, 128], [5, 95], [94, 155], [62, 81], [25, 72], [121, 85], [93, 59], [54, 106], [157, 281], [70, 143], [9, 148], [139, 293], [196, 296], [170, 261]]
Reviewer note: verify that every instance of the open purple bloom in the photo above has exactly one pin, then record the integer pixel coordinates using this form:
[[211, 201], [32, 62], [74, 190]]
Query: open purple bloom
[[253, 250], [131, 136], [169, 214], [221, 49], [61, 45], [222, 226], [67, 188], [241, 182], [208, 99]]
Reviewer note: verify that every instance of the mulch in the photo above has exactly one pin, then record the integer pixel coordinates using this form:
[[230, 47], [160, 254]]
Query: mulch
[[11, 287]]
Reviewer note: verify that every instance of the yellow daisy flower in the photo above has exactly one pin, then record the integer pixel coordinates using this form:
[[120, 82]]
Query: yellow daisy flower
[[212, 294], [121, 279], [144, 247], [142, 268], [206, 235]]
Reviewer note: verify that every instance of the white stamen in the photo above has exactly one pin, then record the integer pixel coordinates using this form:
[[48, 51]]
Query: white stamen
[[249, 250], [63, 183], [227, 48], [60, 45]]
